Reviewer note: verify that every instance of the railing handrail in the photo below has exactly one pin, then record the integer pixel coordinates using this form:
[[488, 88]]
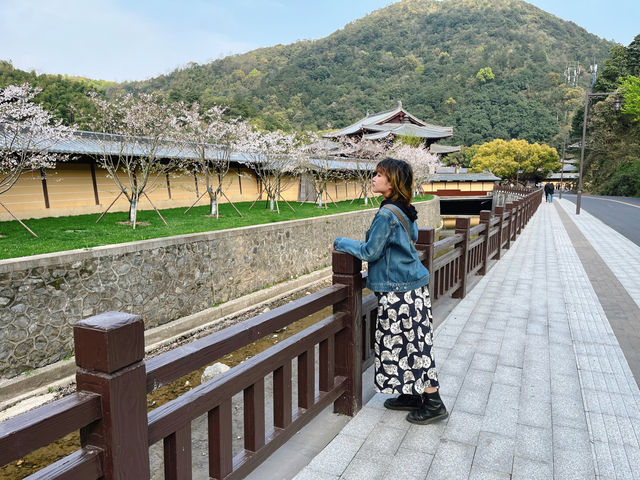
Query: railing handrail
[[175, 363], [39, 427], [208, 395]]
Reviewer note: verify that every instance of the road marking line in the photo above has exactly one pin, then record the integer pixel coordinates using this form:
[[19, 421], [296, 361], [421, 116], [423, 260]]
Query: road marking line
[[617, 201], [611, 200]]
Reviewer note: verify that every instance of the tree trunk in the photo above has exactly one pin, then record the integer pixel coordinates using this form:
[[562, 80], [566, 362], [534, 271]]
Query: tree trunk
[[133, 211], [213, 202], [271, 204], [320, 200]]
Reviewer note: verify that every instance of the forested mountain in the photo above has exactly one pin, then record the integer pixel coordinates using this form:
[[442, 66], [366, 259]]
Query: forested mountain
[[64, 96], [489, 68]]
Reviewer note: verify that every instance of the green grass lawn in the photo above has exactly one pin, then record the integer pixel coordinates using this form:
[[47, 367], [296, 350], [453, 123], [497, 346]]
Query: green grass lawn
[[81, 231]]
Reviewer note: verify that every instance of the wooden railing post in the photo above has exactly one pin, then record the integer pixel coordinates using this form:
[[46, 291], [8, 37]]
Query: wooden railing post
[[463, 224], [426, 237], [348, 360], [500, 215], [513, 227], [109, 351], [485, 218], [509, 208]]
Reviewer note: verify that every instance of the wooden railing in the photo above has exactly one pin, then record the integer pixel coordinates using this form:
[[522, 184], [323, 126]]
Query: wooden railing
[[109, 407]]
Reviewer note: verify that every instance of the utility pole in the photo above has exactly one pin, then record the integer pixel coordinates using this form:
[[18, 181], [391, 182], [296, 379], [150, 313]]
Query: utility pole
[[564, 145]]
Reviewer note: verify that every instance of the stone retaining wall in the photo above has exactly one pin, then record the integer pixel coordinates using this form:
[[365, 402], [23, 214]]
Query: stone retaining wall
[[41, 297]]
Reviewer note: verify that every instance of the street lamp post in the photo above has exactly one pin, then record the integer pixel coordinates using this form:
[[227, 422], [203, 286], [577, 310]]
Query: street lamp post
[[564, 147], [588, 96]]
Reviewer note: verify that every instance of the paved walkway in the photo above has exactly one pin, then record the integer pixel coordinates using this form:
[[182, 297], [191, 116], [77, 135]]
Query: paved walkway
[[532, 372]]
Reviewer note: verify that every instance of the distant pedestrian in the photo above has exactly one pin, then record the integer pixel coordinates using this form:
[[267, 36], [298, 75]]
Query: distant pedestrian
[[404, 360], [548, 191]]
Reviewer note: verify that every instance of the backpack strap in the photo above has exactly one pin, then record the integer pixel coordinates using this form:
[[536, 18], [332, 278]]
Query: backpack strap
[[398, 213]]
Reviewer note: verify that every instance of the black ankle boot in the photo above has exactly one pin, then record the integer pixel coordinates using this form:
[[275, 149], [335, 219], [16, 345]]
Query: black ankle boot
[[404, 402], [432, 409]]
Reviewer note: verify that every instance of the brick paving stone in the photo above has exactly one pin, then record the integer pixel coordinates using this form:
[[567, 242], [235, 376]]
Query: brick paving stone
[[572, 464], [423, 438], [620, 461], [568, 438], [502, 421], [365, 468], [479, 473], [527, 469], [409, 465], [336, 456], [463, 427], [383, 441], [364, 422], [534, 443], [484, 361], [494, 452], [309, 474], [395, 419], [452, 461], [606, 468], [450, 384], [633, 454], [507, 375]]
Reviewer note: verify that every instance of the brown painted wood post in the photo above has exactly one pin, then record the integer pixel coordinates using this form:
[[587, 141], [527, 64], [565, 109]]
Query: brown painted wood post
[[520, 215], [513, 225], [485, 218], [509, 209], [426, 237], [109, 352], [516, 220], [463, 224], [500, 215], [348, 359]]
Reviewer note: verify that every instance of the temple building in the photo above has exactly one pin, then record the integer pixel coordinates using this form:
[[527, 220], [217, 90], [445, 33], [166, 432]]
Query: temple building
[[397, 121]]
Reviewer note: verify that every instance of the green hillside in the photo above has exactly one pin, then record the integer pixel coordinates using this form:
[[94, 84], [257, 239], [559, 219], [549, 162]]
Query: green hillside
[[427, 54], [62, 95]]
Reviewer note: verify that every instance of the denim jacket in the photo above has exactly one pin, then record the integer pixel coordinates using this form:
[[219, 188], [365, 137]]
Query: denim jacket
[[393, 260]]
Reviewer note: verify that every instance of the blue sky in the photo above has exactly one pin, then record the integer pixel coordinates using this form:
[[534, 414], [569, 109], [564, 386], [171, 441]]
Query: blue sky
[[132, 40]]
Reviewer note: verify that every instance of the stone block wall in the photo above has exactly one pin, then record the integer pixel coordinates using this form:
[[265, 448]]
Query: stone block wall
[[41, 297]]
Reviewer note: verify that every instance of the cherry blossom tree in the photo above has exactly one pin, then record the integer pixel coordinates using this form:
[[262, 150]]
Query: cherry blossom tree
[[27, 134], [423, 162], [137, 146], [319, 165], [209, 140], [364, 154], [275, 157]]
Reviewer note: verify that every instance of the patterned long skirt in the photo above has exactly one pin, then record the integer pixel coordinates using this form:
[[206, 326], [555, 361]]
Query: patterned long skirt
[[404, 360]]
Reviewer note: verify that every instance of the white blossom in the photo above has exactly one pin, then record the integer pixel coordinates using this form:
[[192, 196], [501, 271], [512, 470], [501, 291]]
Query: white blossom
[[27, 134], [364, 153], [209, 140], [274, 156], [141, 129], [423, 162]]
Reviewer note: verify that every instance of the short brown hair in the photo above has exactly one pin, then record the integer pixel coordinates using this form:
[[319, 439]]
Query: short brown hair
[[400, 175]]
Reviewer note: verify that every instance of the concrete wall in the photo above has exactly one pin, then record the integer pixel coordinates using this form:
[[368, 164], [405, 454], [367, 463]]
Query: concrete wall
[[41, 297]]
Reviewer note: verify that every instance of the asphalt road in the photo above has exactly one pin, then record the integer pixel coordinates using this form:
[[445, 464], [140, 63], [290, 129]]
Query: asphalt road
[[620, 213]]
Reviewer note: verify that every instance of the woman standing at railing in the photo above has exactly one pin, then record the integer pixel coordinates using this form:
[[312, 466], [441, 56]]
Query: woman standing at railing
[[404, 362]]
